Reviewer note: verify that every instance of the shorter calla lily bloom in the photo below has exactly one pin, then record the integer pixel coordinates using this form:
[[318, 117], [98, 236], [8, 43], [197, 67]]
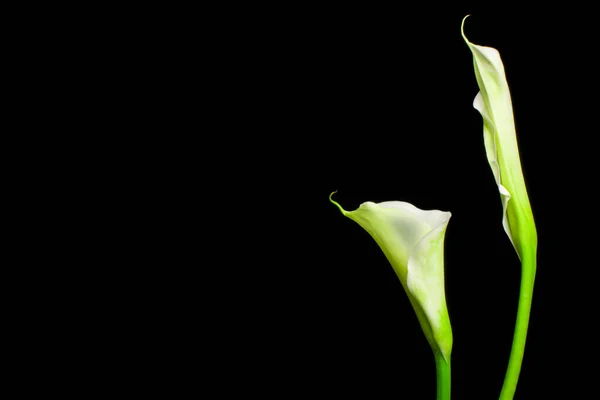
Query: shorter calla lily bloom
[[413, 242]]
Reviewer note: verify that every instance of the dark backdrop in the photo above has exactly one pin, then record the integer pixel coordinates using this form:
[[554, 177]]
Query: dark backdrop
[[204, 256], [376, 103]]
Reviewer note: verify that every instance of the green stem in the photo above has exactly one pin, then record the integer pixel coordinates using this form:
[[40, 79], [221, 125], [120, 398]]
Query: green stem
[[442, 368], [528, 267]]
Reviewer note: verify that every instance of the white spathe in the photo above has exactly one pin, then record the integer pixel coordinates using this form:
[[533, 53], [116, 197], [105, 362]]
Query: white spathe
[[494, 103], [413, 242]]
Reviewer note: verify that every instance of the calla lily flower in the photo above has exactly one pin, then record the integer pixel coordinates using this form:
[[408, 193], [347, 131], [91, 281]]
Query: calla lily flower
[[495, 106], [413, 242]]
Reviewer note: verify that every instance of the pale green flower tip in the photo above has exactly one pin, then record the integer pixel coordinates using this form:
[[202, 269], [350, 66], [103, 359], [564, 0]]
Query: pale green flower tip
[[489, 54], [335, 203], [462, 28]]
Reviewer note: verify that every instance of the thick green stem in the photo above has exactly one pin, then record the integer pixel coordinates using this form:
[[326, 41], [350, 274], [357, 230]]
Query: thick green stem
[[443, 376], [528, 268]]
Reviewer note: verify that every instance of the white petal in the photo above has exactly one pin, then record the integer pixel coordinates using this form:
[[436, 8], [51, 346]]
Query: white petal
[[489, 137], [413, 242], [425, 281], [396, 227], [495, 106]]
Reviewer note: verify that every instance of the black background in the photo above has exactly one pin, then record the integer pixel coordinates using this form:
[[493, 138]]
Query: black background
[[376, 103], [195, 150]]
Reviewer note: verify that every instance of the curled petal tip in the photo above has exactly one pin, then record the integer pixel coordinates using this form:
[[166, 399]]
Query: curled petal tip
[[335, 203], [462, 26]]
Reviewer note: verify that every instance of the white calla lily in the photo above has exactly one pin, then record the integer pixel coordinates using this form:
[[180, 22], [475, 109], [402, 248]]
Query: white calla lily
[[494, 103], [500, 139], [413, 242]]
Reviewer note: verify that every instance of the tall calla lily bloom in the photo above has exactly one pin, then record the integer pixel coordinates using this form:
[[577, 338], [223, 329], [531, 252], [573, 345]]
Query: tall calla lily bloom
[[495, 106], [413, 242]]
